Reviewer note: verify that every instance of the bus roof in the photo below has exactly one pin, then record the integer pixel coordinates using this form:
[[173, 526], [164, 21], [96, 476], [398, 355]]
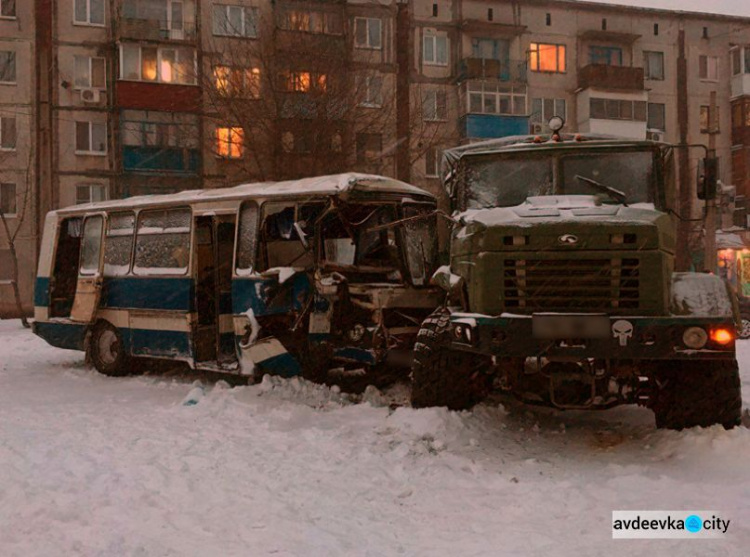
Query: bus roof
[[319, 186]]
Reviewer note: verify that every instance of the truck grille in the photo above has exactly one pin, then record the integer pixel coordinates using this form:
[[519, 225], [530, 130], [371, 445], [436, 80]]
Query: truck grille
[[571, 284]]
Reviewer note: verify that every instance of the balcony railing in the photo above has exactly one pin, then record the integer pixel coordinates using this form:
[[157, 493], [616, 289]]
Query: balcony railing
[[602, 76], [156, 30], [488, 68]]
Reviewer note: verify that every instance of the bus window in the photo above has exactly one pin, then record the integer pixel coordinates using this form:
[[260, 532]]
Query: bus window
[[118, 244], [247, 239], [281, 243], [420, 237], [162, 244], [91, 246]]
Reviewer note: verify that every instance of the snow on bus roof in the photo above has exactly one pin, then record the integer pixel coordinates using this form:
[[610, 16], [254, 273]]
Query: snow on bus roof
[[319, 185]]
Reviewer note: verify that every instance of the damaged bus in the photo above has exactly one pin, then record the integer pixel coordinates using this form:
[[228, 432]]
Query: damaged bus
[[325, 277]]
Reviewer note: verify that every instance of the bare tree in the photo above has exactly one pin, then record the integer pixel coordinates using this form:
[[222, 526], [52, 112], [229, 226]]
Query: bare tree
[[12, 230]]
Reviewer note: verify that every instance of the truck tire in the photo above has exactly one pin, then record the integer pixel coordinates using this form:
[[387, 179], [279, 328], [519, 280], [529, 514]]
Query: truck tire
[[107, 351], [444, 377], [697, 394]]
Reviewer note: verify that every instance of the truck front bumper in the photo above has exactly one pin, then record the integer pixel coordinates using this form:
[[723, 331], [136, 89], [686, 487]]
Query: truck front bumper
[[580, 336]]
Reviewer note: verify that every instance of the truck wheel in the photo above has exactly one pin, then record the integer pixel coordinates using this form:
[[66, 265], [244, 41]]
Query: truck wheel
[[107, 351], [444, 377], [691, 394]]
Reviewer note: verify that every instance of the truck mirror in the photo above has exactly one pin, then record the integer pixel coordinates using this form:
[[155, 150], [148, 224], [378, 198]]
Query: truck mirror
[[707, 178]]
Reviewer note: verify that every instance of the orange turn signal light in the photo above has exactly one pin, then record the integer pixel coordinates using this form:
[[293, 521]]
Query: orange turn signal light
[[722, 336]]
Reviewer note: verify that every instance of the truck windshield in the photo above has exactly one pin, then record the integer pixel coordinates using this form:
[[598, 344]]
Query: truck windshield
[[507, 181]]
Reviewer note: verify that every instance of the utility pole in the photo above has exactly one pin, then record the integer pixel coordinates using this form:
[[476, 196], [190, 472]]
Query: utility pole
[[709, 257], [403, 110], [683, 177]]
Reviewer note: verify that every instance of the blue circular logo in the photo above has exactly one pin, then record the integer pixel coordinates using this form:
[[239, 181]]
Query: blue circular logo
[[693, 523]]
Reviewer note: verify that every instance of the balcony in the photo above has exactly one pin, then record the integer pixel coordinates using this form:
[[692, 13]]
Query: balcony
[[487, 68], [491, 126], [156, 29], [620, 78], [160, 159], [741, 85]]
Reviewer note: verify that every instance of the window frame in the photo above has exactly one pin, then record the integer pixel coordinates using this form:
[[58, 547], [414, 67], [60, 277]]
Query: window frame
[[14, 57], [88, 22], [229, 142], [107, 234], [247, 90], [14, 4], [90, 186], [708, 76], [14, 198], [189, 234], [647, 67], [367, 44], [539, 117], [707, 127], [15, 131], [434, 61], [437, 95], [433, 172], [536, 51], [91, 124], [243, 34], [90, 85], [368, 101], [663, 116], [159, 58]]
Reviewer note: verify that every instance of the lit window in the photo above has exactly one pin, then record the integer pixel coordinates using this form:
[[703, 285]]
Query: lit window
[[89, 12], [164, 64], [230, 142], [705, 120], [547, 57], [89, 72], [91, 138], [7, 66], [367, 33], [242, 82], [435, 50], [8, 199], [7, 133], [708, 68]]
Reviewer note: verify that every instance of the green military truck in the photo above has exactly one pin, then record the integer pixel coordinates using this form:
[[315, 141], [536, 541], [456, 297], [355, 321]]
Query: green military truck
[[562, 288]]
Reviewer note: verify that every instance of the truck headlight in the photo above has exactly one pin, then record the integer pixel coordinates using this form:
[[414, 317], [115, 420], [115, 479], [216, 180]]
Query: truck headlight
[[695, 338]]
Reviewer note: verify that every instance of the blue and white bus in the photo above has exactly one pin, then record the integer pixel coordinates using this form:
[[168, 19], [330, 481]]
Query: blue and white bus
[[306, 276]]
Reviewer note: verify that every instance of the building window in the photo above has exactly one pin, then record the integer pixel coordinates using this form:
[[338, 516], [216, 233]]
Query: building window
[[89, 72], [432, 163], [547, 57], [435, 51], [657, 116], [372, 91], [615, 109], [8, 8], [328, 23], [7, 66], [605, 55], [7, 133], [369, 147], [739, 65], [367, 33], [157, 64], [304, 82], [89, 12], [490, 98], [544, 109], [653, 65], [705, 120], [433, 106], [235, 21], [708, 69], [230, 142], [91, 138], [239, 82], [8, 199], [90, 193]]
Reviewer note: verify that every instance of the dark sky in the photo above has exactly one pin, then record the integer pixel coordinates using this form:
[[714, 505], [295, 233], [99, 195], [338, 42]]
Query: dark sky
[[729, 7]]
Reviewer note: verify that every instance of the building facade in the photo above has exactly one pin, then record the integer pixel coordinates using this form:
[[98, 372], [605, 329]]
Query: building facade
[[112, 98]]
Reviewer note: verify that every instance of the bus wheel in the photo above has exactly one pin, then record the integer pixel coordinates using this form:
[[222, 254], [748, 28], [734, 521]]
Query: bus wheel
[[697, 394], [744, 332], [108, 352]]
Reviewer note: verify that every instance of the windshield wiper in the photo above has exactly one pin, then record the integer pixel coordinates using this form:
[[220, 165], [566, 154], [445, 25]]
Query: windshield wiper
[[615, 194]]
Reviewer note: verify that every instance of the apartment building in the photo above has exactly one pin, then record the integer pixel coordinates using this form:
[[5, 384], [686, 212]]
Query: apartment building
[[111, 98]]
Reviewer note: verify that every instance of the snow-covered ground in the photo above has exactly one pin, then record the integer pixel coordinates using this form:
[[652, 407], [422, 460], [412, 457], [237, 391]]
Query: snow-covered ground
[[91, 465]]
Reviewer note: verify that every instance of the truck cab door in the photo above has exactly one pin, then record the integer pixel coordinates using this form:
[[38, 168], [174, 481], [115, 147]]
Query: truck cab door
[[89, 284]]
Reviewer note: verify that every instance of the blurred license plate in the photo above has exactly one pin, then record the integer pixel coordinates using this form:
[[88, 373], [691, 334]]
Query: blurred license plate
[[570, 326]]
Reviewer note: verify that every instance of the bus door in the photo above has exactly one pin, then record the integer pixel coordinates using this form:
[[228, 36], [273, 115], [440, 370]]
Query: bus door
[[89, 284], [213, 329]]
